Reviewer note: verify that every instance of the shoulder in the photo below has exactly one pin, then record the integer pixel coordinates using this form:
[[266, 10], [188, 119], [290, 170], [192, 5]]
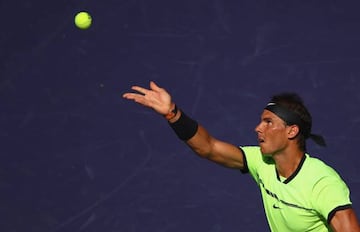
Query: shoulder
[[319, 178], [250, 149], [328, 188], [253, 154], [255, 160], [319, 169]]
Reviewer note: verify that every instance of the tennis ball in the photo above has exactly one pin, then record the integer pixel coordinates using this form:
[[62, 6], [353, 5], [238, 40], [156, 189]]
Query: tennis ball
[[83, 20]]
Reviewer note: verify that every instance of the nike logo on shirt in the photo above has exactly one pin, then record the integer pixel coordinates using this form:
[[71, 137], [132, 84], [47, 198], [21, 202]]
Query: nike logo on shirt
[[276, 207]]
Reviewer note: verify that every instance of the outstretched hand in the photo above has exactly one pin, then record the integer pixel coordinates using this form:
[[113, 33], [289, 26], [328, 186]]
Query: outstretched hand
[[156, 98]]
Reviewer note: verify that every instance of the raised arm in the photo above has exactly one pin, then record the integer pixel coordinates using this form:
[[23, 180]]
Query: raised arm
[[201, 142]]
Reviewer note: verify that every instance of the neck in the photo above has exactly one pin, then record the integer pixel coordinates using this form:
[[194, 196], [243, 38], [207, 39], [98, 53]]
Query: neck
[[287, 162]]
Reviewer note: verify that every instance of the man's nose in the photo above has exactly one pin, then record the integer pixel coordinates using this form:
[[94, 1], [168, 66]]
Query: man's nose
[[257, 128]]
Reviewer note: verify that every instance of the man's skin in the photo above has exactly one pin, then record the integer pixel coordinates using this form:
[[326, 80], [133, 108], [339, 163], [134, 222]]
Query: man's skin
[[275, 139]]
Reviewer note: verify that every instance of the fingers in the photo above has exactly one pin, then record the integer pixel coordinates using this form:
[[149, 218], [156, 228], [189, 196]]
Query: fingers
[[156, 97], [139, 96], [129, 96], [154, 86], [136, 98], [140, 89], [145, 91], [142, 95]]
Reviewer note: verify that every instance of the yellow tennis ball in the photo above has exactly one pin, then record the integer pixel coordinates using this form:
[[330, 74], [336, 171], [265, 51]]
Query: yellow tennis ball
[[83, 20]]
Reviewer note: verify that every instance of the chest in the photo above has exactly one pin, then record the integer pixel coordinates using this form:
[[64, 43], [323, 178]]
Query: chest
[[289, 206]]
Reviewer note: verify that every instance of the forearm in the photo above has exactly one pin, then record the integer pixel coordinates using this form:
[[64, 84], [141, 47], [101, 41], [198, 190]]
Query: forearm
[[188, 130], [201, 143], [205, 145]]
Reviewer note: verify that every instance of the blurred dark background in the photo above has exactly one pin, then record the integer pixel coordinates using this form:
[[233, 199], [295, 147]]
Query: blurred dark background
[[75, 156]]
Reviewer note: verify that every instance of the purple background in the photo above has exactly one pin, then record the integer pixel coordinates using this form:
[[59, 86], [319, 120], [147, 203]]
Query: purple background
[[75, 156]]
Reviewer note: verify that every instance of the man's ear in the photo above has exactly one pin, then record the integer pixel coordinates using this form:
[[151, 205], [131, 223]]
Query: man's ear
[[293, 131]]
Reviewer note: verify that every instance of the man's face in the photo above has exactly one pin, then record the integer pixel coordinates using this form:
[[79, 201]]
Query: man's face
[[272, 133]]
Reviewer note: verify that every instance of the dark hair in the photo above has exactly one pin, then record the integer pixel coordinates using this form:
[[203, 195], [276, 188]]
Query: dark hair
[[295, 104]]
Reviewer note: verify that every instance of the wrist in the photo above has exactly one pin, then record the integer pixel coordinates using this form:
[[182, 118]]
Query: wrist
[[172, 113], [184, 126]]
